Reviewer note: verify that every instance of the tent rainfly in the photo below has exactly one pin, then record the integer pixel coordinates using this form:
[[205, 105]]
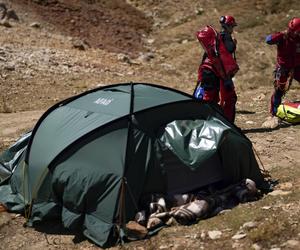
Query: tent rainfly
[[91, 158]]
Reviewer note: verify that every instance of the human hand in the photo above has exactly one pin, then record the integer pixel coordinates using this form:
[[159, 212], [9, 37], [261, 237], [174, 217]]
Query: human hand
[[285, 33], [199, 92], [234, 40]]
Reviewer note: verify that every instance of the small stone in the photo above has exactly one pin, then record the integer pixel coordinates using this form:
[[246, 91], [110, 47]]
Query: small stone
[[255, 246], [35, 25], [150, 41], [215, 234], [123, 58], [10, 67], [259, 97], [4, 22], [236, 245], [199, 11], [80, 44], [266, 207], [239, 236], [146, 57], [293, 243], [184, 41], [225, 211], [286, 185], [250, 224], [135, 230], [279, 192], [163, 247]]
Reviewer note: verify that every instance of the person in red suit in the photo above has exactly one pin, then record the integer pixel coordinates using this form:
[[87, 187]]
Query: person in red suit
[[213, 83], [287, 65]]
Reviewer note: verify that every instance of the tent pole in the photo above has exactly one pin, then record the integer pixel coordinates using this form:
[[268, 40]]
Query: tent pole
[[27, 210], [121, 213], [129, 131], [121, 203]]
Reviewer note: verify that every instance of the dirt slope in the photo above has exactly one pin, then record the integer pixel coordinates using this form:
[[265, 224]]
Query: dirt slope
[[63, 47]]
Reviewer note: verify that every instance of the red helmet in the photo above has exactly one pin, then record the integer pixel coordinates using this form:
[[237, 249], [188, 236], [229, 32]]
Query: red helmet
[[228, 21], [294, 25]]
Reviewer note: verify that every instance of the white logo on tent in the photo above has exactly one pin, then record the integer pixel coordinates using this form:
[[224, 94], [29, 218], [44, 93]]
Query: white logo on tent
[[103, 101]]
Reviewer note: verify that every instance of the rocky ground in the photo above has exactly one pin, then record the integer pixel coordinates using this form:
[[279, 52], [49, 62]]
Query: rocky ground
[[61, 48]]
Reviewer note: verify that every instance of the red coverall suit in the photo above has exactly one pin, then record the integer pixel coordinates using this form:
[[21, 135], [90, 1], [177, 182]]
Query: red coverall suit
[[288, 65], [215, 88]]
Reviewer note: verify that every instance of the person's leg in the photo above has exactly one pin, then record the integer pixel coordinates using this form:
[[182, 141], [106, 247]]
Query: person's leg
[[228, 101], [296, 74], [276, 100], [281, 83]]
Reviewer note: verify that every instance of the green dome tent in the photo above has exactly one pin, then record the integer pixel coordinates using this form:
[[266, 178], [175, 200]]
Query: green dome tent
[[92, 157]]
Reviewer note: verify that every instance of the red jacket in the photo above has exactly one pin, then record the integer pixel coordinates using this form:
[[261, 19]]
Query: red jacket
[[288, 50], [217, 56]]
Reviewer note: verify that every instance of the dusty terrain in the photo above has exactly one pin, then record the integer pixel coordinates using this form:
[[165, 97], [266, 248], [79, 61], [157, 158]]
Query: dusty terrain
[[59, 48]]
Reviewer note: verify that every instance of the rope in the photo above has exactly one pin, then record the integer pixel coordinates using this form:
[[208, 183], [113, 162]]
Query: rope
[[265, 172], [131, 196]]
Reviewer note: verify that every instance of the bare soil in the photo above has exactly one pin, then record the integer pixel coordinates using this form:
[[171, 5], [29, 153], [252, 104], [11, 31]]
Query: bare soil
[[60, 48]]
